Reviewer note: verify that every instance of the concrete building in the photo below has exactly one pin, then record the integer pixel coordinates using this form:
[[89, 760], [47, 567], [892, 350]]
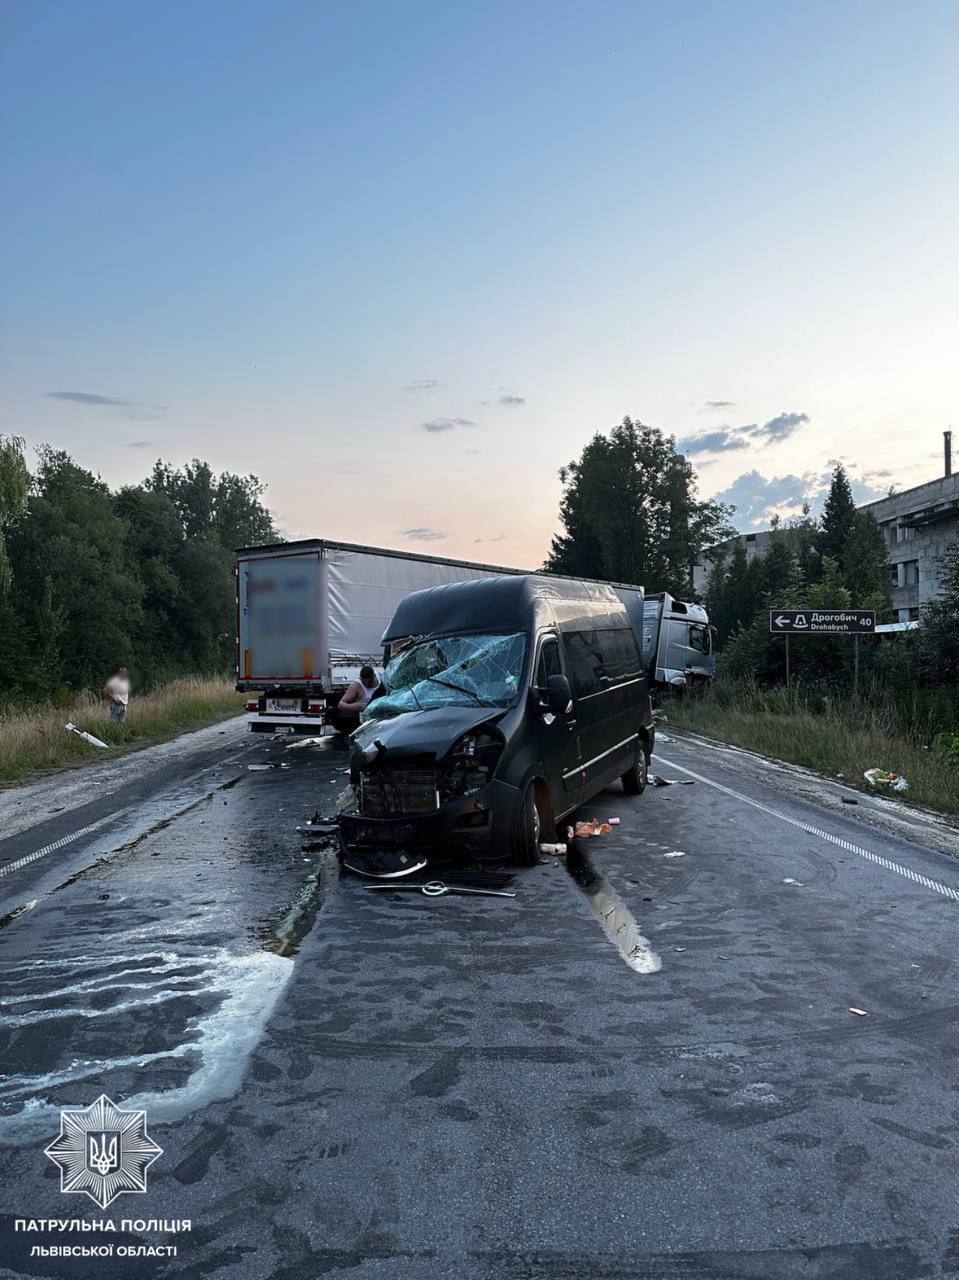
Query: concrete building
[[918, 525]]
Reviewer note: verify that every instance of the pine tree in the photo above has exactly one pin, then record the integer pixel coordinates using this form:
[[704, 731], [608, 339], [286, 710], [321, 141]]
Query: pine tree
[[837, 515]]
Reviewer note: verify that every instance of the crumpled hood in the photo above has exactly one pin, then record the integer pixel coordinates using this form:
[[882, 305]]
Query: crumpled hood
[[416, 733]]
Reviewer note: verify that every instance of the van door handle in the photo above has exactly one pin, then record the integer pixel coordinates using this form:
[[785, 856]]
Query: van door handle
[[571, 726]]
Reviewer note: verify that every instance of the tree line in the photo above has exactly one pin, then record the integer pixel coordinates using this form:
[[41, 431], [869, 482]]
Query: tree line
[[92, 578]]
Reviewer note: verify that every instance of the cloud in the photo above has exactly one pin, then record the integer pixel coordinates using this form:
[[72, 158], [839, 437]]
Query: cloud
[[710, 405], [422, 535], [781, 427], [139, 444], [88, 397], [508, 400], [757, 499], [137, 412], [422, 384], [436, 425], [499, 538], [725, 438], [713, 441]]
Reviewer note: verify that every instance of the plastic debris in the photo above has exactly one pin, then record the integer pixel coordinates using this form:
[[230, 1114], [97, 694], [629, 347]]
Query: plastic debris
[[592, 828], [881, 778], [848, 800], [303, 742], [672, 782], [798, 883], [552, 848], [258, 768], [860, 1013], [675, 853], [613, 822], [87, 737]]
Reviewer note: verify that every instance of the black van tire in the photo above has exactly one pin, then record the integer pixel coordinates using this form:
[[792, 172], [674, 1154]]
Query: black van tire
[[637, 775], [526, 836]]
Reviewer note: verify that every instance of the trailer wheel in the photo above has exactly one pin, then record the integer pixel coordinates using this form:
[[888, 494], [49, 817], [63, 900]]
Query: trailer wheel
[[526, 835], [637, 775]]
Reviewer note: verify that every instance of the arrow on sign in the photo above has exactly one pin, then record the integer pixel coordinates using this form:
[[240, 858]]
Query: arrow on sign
[[782, 622]]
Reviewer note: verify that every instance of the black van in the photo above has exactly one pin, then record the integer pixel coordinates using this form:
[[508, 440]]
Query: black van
[[509, 702]]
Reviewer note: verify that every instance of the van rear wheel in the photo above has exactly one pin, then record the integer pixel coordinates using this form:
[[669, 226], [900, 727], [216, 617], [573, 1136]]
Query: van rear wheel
[[636, 777], [526, 836]]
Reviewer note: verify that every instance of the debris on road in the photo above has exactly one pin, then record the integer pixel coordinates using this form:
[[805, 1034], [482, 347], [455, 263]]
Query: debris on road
[[592, 827], [613, 822], [439, 889], [798, 883], [87, 737], [260, 768], [860, 1013], [558, 849], [881, 778], [384, 864], [848, 800], [675, 853], [303, 742], [672, 782]]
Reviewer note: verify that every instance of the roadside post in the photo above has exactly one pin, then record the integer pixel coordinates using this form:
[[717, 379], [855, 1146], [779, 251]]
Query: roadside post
[[824, 622]]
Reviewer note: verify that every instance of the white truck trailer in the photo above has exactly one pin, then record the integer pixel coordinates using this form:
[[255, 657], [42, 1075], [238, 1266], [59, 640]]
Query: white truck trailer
[[311, 613]]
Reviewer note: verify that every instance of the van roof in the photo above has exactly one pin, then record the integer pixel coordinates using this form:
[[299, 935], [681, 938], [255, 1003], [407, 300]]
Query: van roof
[[495, 603]]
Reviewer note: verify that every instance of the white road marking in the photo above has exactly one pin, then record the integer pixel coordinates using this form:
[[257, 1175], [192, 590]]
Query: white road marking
[[868, 854], [59, 844], [110, 817]]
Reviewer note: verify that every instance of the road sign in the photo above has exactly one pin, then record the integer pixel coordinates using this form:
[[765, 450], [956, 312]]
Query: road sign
[[835, 622]]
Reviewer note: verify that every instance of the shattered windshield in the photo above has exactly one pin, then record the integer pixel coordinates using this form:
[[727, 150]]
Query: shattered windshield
[[452, 671]]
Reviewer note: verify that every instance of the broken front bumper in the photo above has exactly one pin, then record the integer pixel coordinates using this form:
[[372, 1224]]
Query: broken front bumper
[[462, 827]]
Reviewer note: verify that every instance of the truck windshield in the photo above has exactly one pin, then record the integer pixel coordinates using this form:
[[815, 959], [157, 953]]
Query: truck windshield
[[452, 671]]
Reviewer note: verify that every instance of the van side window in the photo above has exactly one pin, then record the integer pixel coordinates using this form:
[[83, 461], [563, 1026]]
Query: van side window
[[585, 660], [622, 657], [548, 664], [601, 659], [699, 639]]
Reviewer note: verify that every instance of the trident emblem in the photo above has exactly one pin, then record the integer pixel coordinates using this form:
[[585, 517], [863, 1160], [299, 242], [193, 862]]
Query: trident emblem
[[102, 1155]]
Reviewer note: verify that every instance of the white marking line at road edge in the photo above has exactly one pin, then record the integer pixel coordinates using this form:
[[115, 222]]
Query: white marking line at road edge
[[101, 822], [64, 840], [900, 870]]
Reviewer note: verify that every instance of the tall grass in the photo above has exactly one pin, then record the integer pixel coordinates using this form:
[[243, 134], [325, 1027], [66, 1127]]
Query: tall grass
[[830, 735], [33, 739]]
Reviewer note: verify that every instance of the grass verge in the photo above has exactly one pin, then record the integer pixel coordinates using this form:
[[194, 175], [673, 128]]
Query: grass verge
[[832, 738], [33, 740]]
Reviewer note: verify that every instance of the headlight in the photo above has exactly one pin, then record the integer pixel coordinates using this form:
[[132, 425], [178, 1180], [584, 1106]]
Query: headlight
[[472, 760]]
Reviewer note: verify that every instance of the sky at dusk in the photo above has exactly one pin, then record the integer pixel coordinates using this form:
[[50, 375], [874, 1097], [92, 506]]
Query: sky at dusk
[[402, 260]]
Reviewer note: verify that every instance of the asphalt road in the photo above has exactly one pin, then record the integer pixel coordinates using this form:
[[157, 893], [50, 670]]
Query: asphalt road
[[644, 1065]]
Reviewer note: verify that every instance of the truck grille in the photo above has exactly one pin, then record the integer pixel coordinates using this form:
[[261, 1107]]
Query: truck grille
[[386, 792]]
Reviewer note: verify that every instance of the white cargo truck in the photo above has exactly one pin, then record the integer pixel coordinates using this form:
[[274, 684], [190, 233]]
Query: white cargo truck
[[311, 613]]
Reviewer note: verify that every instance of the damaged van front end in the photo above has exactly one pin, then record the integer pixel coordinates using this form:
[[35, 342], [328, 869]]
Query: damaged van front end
[[425, 782], [425, 761]]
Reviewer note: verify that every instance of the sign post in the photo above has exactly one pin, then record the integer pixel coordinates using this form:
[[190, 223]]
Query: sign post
[[824, 622]]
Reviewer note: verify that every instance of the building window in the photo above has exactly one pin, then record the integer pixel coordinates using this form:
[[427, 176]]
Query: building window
[[910, 573], [893, 575], [913, 615]]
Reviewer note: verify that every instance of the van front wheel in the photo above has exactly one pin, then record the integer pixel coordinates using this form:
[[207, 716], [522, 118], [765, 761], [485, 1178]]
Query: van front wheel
[[636, 777], [527, 832]]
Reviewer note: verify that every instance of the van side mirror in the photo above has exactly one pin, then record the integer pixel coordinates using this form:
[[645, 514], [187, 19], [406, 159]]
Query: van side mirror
[[558, 695]]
